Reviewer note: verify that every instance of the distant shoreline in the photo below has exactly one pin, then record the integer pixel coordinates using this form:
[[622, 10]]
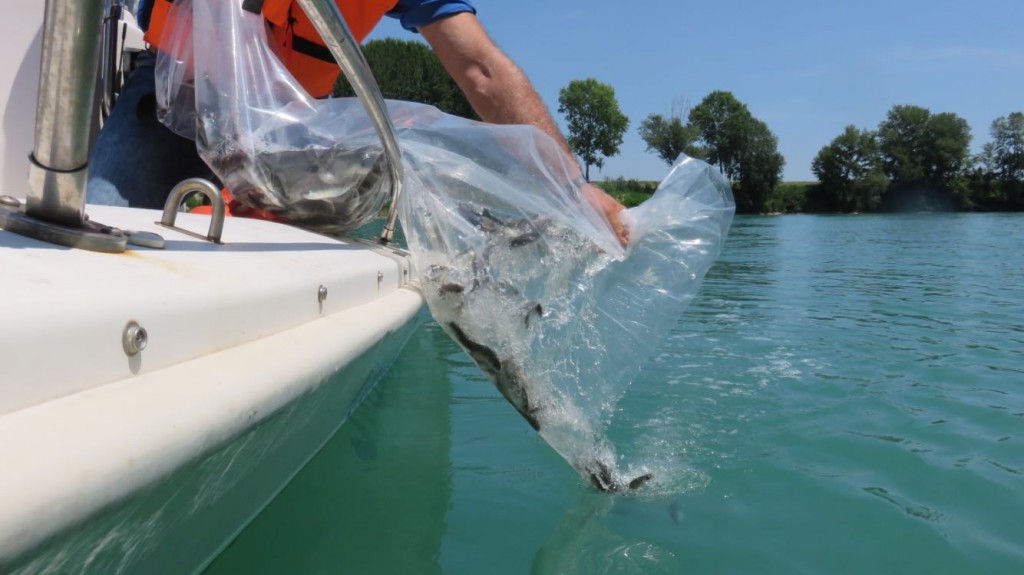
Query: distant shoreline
[[793, 198]]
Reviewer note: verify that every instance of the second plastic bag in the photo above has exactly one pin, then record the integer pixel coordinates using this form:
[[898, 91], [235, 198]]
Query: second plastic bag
[[275, 147]]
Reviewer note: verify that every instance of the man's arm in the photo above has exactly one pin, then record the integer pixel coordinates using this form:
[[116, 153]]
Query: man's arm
[[501, 93]]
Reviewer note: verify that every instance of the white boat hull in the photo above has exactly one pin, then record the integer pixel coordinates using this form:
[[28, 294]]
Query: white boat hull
[[179, 523], [155, 460]]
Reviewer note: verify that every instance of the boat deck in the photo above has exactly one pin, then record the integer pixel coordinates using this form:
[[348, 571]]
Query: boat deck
[[192, 298]]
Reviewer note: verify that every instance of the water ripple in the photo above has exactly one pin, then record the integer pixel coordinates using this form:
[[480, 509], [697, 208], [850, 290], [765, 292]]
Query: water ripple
[[911, 509]]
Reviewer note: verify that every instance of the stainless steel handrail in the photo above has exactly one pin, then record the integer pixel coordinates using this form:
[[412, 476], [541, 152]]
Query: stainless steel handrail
[[54, 208], [64, 111], [331, 26]]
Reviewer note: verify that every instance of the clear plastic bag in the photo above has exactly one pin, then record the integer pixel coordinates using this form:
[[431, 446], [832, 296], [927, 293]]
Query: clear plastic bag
[[529, 278], [314, 163]]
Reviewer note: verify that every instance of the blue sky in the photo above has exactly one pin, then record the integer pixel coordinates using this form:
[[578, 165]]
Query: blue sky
[[806, 68]]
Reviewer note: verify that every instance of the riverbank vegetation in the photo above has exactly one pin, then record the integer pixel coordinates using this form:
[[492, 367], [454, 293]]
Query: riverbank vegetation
[[785, 198], [919, 161]]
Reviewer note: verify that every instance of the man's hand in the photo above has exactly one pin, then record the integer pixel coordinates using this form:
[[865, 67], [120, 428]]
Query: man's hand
[[608, 206]]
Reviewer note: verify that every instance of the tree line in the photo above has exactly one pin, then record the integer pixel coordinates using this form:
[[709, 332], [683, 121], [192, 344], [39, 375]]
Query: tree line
[[917, 160], [914, 159]]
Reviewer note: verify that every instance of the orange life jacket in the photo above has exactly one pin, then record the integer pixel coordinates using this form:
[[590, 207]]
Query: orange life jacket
[[301, 48]]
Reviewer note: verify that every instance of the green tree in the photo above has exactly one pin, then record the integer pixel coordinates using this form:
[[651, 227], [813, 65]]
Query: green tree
[[723, 123], [902, 141], [1005, 153], [409, 70], [760, 166], [670, 137], [596, 125], [741, 146], [926, 151], [949, 153], [849, 170], [997, 181]]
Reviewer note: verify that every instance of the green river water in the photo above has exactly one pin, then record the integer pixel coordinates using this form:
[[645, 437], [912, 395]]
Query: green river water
[[845, 395]]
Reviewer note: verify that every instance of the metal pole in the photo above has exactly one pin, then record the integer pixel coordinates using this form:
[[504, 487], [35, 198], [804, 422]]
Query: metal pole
[[67, 86], [330, 24]]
